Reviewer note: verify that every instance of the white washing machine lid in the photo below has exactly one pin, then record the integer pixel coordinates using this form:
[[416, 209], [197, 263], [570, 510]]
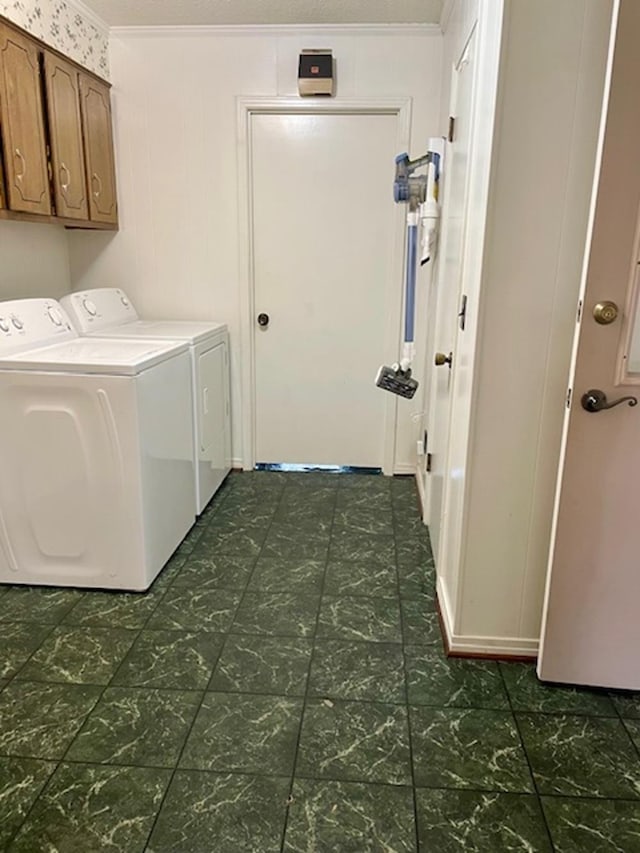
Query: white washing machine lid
[[95, 355], [178, 330]]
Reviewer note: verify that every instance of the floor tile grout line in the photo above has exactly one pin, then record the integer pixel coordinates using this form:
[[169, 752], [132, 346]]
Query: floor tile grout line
[[308, 776], [306, 692], [185, 740], [225, 635], [93, 707], [245, 591], [229, 632], [528, 760], [299, 695], [636, 746], [28, 812], [109, 683], [63, 758], [98, 699], [406, 692], [293, 695], [57, 761], [30, 655]]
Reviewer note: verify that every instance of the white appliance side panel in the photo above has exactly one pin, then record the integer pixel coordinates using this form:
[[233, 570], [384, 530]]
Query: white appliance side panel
[[165, 412], [69, 492], [213, 434]]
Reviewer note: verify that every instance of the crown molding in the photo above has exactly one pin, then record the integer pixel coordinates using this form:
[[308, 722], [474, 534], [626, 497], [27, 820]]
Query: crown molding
[[89, 15], [276, 30], [445, 15]]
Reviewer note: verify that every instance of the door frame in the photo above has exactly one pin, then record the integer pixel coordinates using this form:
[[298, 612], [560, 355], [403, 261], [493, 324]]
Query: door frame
[[247, 108], [440, 287]]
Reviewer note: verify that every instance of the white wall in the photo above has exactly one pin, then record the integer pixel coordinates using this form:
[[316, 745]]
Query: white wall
[[177, 251], [34, 260], [550, 92]]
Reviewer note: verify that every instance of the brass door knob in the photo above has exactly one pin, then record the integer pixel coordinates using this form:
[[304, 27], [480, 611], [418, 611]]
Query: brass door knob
[[605, 312], [441, 359]]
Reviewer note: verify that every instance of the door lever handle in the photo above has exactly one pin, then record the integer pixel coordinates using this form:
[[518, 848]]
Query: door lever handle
[[596, 401]]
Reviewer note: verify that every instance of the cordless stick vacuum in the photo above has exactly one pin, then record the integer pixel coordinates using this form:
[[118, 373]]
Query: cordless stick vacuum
[[420, 192]]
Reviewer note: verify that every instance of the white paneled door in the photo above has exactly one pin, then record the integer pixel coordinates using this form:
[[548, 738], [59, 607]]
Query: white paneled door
[[324, 225], [591, 627], [449, 294]]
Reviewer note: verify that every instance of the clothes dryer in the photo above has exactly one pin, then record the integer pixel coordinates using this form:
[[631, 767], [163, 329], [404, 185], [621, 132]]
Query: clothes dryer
[[108, 312], [96, 452]]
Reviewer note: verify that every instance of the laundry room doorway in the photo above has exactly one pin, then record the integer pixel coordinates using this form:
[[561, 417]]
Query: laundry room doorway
[[323, 290]]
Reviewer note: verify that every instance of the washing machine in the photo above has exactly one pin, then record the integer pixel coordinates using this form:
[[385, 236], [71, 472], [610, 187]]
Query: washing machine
[[96, 452], [108, 312]]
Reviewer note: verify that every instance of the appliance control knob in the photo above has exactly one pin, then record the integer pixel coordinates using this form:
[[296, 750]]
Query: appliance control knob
[[124, 301], [55, 316], [17, 322], [89, 307], [4, 326]]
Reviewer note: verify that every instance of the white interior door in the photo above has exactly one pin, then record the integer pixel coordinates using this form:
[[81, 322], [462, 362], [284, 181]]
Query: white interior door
[[591, 627], [324, 226], [448, 288]]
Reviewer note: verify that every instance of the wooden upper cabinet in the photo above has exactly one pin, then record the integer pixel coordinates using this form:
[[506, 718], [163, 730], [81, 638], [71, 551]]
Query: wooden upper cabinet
[[65, 133], [98, 145], [3, 200], [26, 169]]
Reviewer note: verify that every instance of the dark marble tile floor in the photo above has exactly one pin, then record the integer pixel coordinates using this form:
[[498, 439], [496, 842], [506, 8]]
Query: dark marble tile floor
[[282, 687]]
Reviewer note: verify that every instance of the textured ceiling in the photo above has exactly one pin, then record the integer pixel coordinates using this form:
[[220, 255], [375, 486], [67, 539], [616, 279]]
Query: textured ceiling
[[229, 12]]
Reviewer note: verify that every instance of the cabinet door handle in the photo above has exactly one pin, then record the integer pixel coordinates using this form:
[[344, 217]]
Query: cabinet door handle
[[19, 155], [63, 184], [96, 177]]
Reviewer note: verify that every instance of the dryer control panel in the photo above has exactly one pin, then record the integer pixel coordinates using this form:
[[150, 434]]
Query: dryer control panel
[[93, 310], [31, 323]]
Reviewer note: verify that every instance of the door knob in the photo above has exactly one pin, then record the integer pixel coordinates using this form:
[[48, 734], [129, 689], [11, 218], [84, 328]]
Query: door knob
[[605, 312], [441, 358], [596, 401], [263, 320]]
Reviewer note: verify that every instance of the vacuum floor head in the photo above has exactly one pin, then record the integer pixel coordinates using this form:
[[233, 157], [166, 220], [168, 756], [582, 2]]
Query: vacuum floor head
[[397, 381]]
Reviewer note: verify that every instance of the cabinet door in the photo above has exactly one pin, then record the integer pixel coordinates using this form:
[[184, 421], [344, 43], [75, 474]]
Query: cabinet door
[[23, 124], [3, 196], [65, 132], [98, 149]]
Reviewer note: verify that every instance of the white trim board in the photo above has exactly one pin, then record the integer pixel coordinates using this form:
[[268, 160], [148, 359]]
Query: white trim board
[[422, 494], [463, 644], [403, 469], [445, 15], [246, 108], [328, 30]]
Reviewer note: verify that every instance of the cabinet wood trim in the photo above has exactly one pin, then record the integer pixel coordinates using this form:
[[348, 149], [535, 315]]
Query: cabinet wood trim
[[65, 134], [79, 131], [71, 224], [25, 158], [95, 103]]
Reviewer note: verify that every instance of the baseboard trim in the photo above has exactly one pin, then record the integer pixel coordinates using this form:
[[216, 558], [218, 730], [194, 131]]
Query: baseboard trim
[[422, 495], [486, 647], [404, 468]]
